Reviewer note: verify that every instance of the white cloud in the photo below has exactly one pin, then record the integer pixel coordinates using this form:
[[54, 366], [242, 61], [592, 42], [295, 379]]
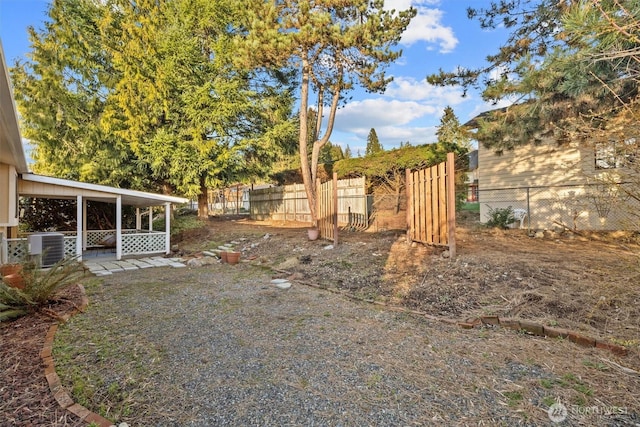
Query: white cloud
[[390, 137], [377, 112], [426, 25], [420, 90], [408, 111], [395, 121]]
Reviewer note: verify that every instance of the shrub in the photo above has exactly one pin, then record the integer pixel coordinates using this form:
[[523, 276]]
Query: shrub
[[500, 217], [40, 286]]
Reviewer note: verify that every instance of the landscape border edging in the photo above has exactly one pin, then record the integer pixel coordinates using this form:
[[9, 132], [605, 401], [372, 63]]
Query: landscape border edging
[[61, 396]]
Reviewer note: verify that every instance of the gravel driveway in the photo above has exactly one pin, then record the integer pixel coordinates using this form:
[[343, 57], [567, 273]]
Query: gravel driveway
[[221, 345]]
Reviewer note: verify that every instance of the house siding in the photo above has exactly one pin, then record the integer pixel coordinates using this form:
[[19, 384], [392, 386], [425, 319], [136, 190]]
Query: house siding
[[8, 197]]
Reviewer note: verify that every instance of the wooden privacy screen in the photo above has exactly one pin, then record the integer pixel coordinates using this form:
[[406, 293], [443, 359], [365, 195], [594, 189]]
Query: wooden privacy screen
[[327, 208], [431, 210]]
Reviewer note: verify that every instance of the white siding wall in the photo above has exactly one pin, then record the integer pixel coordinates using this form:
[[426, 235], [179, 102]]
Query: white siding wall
[[8, 196]]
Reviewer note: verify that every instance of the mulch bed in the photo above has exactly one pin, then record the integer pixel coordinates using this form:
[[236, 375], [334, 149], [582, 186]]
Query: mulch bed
[[25, 399]]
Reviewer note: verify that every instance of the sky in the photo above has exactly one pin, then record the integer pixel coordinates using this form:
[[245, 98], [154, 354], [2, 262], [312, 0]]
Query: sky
[[439, 37]]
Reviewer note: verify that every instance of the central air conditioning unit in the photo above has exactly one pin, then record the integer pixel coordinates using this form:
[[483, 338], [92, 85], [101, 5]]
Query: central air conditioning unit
[[48, 246]]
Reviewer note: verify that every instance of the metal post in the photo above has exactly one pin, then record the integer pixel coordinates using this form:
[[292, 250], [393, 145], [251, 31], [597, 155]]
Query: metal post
[[528, 212]]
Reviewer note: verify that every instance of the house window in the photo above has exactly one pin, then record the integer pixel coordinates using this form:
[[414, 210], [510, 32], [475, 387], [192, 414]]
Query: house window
[[615, 154]]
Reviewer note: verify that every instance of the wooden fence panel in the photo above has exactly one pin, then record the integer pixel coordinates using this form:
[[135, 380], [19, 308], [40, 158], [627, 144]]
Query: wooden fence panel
[[289, 203], [431, 204], [328, 209]]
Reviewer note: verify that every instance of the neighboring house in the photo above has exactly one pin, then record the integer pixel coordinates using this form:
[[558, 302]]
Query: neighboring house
[[554, 185], [16, 181]]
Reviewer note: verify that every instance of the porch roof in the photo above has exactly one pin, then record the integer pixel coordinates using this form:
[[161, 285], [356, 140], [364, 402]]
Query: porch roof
[[45, 186]]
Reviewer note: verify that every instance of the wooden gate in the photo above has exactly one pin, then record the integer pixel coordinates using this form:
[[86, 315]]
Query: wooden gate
[[431, 210], [327, 208]]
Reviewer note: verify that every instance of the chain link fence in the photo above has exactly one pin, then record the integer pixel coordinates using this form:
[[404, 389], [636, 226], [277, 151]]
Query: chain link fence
[[593, 207]]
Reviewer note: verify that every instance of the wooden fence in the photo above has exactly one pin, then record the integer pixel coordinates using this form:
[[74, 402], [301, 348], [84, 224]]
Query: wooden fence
[[327, 208], [289, 203], [431, 205]]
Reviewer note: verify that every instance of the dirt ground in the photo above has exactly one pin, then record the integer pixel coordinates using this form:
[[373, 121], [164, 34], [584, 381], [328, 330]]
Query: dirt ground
[[584, 283]]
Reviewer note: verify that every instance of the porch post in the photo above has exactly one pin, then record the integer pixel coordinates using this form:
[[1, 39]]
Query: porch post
[[138, 220], [167, 227], [150, 218], [118, 227], [80, 221], [3, 249], [84, 224]]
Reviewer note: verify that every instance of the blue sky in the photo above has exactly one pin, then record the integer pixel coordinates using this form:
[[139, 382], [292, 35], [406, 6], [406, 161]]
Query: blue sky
[[440, 36]]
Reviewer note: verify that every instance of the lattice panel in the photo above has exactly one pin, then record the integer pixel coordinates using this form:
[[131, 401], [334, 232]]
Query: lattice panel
[[17, 250], [143, 243], [70, 246]]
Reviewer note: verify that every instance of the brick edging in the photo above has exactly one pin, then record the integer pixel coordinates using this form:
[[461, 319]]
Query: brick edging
[[540, 330], [59, 393]]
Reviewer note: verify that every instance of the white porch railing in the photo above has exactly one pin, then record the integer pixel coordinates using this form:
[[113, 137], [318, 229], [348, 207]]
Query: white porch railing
[[134, 242], [139, 243]]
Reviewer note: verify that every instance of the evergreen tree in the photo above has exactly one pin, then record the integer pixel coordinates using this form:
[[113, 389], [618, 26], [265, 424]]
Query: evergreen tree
[[451, 133], [331, 153], [347, 152], [146, 94], [373, 144], [62, 93], [334, 45]]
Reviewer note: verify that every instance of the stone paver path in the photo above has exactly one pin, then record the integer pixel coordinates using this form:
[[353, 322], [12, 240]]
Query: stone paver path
[[106, 267]]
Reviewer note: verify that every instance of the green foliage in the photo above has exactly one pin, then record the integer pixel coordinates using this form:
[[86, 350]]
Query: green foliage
[[330, 153], [181, 222], [62, 92], [398, 160], [451, 133], [500, 217], [146, 95], [40, 286], [571, 66], [534, 29], [373, 144]]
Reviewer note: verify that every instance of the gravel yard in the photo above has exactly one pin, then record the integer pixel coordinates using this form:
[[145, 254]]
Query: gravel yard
[[221, 345]]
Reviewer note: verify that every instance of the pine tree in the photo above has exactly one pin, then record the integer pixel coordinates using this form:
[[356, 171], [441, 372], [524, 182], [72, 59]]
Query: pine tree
[[347, 152], [451, 134], [334, 46], [373, 144]]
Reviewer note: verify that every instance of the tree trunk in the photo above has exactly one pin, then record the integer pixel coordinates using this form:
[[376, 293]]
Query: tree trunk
[[309, 184], [203, 200]]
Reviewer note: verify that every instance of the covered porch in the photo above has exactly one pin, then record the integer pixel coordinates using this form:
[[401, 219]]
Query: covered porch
[[82, 242]]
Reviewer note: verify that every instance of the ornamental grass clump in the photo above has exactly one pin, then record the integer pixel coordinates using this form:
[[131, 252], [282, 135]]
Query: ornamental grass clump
[[40, 286]]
